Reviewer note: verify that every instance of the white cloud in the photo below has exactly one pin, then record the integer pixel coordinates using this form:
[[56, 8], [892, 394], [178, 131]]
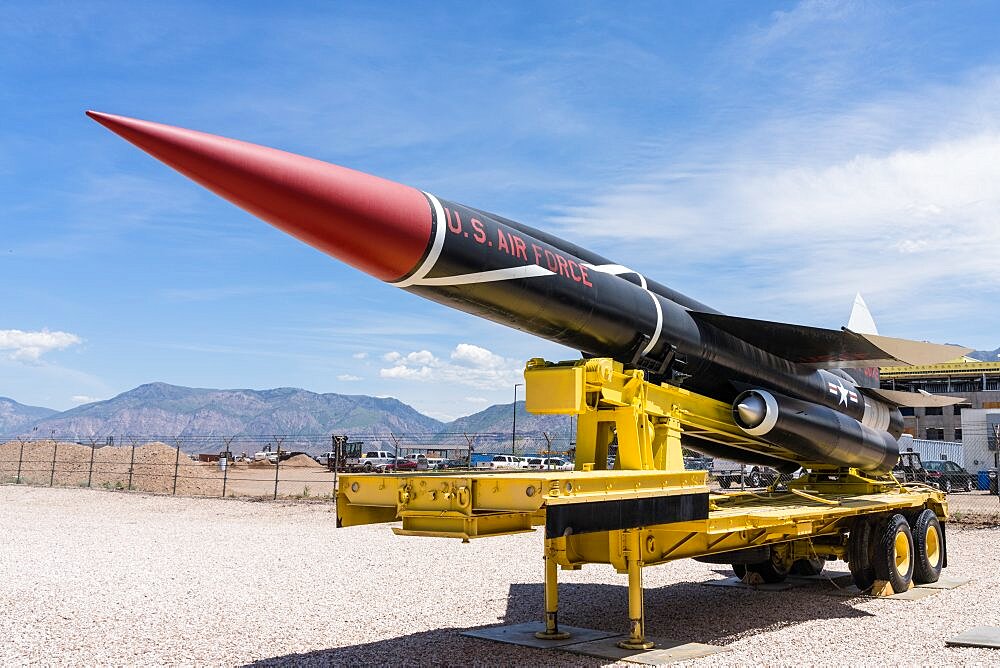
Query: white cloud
[[899, 199], [83, 399], [477, 400], [474, 356], [468, 364], [360, 356], [347, 378], [30, 346]]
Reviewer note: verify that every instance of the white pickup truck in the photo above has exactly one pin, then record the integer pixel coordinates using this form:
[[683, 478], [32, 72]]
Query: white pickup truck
[[550, 464], [498, 462], [372, 460]]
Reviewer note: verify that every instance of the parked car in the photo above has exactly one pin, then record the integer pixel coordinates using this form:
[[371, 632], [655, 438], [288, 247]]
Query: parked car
[[373, 460], [909, 468], [403, 464], [459, 463], [948, 475], [730, 473], [550, 464], [698, 463], [500, 462], [421, 460]]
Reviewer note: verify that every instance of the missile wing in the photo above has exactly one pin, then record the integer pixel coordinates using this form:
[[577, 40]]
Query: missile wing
[[830, 348], [487, 265]]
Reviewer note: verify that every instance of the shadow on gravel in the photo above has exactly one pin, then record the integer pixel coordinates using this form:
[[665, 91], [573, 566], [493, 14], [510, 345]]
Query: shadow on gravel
[[685, 611], [443, 647]]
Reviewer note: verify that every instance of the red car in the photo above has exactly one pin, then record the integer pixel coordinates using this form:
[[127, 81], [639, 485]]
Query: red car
[[401, 465]]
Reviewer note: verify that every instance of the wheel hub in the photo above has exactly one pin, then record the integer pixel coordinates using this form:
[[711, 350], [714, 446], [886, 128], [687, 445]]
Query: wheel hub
[[933, 543], [902, 556]]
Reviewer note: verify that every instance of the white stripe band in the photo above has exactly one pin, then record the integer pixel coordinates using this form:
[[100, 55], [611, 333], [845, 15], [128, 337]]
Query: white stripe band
[[526, 271], [432, 257], [618, 270], [659, 324]]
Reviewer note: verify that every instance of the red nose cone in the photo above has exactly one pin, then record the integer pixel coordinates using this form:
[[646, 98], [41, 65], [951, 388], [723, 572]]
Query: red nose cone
[[379, 226]]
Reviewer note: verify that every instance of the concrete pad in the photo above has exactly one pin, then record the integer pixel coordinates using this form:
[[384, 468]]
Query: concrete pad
[[945, 582], [981, 636], [914, 594], [665, 652], [739, 584], [524, 634], [836, 576], [827, 581]]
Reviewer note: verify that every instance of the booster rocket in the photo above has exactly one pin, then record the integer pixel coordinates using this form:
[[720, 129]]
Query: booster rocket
[[810, 391]]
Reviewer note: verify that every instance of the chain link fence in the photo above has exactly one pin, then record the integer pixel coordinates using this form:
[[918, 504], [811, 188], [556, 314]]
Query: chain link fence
[[273, 467], [306, 467]]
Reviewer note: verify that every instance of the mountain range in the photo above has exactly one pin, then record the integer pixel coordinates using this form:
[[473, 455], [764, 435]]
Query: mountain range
[[167, 411], [162, 410], [986, 355]]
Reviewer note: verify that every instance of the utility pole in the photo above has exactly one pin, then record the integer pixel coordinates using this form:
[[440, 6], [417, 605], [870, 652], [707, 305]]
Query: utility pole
[[513, 427]]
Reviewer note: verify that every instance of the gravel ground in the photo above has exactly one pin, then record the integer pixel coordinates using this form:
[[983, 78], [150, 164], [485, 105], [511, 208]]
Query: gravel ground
[[95, 577]]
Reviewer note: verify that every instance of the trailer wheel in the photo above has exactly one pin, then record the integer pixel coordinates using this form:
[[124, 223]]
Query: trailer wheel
[[773, 570], [928, 548], [893, 554], [740, 570], [724, 482], [811, 566], [859, 551]]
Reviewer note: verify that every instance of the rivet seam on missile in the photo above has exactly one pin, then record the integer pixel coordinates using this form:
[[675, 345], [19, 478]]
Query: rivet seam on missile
[[437, 221]]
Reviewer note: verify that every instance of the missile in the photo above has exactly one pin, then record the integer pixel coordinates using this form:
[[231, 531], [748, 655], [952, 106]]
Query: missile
[[502, 270], [817, 433]]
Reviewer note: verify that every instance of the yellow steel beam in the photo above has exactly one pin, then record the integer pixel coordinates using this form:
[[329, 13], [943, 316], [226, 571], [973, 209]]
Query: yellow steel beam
[[648, 421], [608, 399]]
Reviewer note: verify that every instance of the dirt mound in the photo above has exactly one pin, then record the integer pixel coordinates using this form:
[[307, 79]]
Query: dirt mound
[[302, 461], [155, 467], [151, 467]]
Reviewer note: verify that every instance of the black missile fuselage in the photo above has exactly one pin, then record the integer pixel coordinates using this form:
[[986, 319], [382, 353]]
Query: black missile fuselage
[[513, 274]]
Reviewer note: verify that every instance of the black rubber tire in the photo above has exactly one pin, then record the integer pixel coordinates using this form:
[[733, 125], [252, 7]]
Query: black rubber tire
[[770, 571], [368, 467], [885, 554], [754, 479], [724, 483], [927, 567], [968, 484], [859, 554], [740, 570], [946, 486], [813, 566]]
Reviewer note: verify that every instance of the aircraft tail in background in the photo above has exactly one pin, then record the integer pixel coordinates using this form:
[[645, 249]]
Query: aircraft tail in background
[[862, 322]]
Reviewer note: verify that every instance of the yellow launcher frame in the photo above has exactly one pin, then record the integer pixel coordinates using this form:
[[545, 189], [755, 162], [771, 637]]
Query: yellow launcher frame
[[648, 509]]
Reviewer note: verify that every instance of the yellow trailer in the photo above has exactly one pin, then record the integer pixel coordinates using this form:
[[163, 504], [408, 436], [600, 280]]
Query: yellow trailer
[[648, 509]]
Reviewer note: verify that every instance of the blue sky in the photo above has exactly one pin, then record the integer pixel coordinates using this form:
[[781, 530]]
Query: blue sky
[[769, 159]]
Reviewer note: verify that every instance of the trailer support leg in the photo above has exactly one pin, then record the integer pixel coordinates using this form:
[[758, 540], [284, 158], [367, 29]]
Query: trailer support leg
[[551, 631], [636, 615]]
